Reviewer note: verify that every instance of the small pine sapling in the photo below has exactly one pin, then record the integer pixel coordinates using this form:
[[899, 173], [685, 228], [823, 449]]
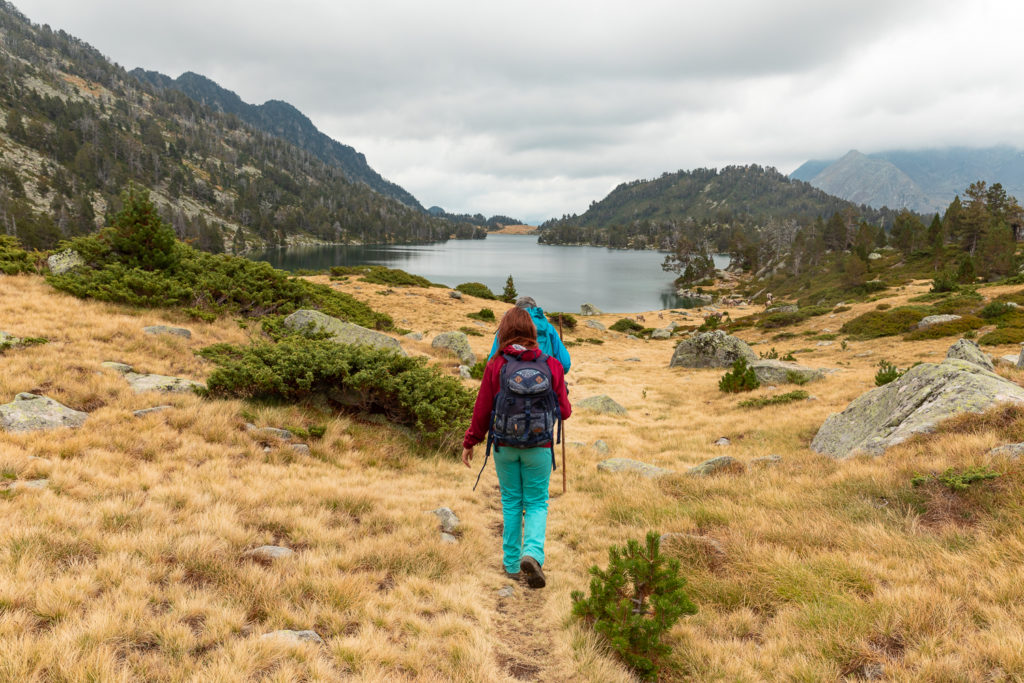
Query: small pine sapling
[[740, 378], [635, 602]]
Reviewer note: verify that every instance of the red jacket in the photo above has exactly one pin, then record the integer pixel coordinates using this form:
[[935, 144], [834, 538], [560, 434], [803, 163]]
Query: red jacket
[[477, 431]]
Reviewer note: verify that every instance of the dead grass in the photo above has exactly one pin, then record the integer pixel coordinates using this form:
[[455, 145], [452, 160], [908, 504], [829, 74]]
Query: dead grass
[[127, 566]]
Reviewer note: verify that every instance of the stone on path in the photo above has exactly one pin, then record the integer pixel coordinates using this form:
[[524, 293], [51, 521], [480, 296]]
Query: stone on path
[[30, 412], [710, 350], [925, 395], [449, 520], [601, 404], [723, 463], [626, 465], [307, 321], [595, 324], [456, 343], [306, 636], [507, 592], [967, 350], [266, 554], [780, 372], [590, 309], [167, 329]]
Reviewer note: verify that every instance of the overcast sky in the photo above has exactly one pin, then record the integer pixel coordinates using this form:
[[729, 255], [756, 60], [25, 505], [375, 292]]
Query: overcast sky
[[535, 109]]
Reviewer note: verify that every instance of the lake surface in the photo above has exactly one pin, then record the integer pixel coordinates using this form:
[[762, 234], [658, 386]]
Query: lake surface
[[560, 278]]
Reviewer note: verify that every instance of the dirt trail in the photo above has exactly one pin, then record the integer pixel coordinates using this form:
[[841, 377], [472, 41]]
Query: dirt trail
[[523, 641]]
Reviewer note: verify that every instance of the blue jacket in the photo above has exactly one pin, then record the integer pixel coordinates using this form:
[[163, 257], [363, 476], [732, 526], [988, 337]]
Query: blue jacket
[[547, 339]]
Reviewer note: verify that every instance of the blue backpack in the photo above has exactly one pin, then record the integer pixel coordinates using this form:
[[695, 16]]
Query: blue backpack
[[526, 409]]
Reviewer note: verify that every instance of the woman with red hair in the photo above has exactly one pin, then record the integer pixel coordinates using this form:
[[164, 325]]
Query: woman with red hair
[[523, 473]]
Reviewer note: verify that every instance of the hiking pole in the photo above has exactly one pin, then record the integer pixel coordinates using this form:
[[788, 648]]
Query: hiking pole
[[562, 430]]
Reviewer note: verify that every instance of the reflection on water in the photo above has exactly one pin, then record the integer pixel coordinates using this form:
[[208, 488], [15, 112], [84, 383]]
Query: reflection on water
[[559, 278]]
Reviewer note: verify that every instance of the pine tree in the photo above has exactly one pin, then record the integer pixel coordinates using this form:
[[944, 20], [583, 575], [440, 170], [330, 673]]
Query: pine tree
[[139, 235], [509, 295]]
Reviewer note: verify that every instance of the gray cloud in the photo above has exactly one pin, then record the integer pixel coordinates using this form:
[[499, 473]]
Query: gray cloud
[[536, 108]]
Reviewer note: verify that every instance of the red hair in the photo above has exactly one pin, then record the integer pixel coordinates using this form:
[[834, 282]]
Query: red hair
[[516, 327]]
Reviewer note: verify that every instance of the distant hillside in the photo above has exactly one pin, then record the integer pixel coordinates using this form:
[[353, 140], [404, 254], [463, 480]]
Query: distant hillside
[[284, 121], [76, 129], [924, 181], [491, 224], [644, 213]]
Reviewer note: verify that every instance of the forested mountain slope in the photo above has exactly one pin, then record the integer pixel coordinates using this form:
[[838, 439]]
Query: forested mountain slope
[[77, 128]]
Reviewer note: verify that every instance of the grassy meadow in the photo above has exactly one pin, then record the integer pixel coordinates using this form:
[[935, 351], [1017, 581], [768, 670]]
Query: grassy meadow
[[127, 565]]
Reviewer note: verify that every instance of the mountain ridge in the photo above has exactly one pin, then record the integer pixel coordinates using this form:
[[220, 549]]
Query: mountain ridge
[[282, 119]]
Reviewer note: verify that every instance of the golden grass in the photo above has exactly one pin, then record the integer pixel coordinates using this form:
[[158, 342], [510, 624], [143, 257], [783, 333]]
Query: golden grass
[[128, 565]]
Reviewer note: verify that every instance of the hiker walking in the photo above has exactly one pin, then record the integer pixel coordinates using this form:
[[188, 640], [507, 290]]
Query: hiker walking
[[548, 340], [522, 397]]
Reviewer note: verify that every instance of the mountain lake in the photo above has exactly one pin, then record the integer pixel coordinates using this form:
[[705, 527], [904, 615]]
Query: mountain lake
[[560, 278]]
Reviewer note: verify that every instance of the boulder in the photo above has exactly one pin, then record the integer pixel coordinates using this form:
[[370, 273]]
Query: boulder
[[63, 261], [295, 636], [594, 324], [601, 404], [782, 371], [300, 448], [784, 308], [464, 372], [448, 538], [662, 333], [9, 341], [167, 329], [268, 432], [266, 554], [710, 350], [307, 321], [1010, 451], [723, 463], [930, 320], [925, 395], [458, 344], [30, 485], [455, 294], [590, 309], [415, 336], [122, 368], [967, 350], [626, 465], [140, 383], [722, 442], [31, 412], [601, 447]]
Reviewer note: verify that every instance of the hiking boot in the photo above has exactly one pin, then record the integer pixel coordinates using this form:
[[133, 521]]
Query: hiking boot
[[532, 572]]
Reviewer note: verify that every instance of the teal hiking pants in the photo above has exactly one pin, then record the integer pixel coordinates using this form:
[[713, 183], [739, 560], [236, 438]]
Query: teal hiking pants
[[524, 474]]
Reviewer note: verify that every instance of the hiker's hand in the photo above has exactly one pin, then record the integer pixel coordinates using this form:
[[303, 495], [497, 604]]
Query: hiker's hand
[[467, 456]]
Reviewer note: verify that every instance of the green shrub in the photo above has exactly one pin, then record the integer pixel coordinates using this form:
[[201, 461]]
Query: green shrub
[[406, 390], [1003, 335], [781, 399], [769, 355], [797, 378], [887, 372], [470, 331], [711, 323], [945, 282], [509, 294], [634, 602], [875, 324], [841, 309], [205, 286], [562, 321], [789, 356], [382, 275], [946, 329], [773, 321], [483, 315], [740, 378], [996, 309], [626, 325], [957, 480], [477, 371], [477, 289], [14, 259], [883, 307]]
